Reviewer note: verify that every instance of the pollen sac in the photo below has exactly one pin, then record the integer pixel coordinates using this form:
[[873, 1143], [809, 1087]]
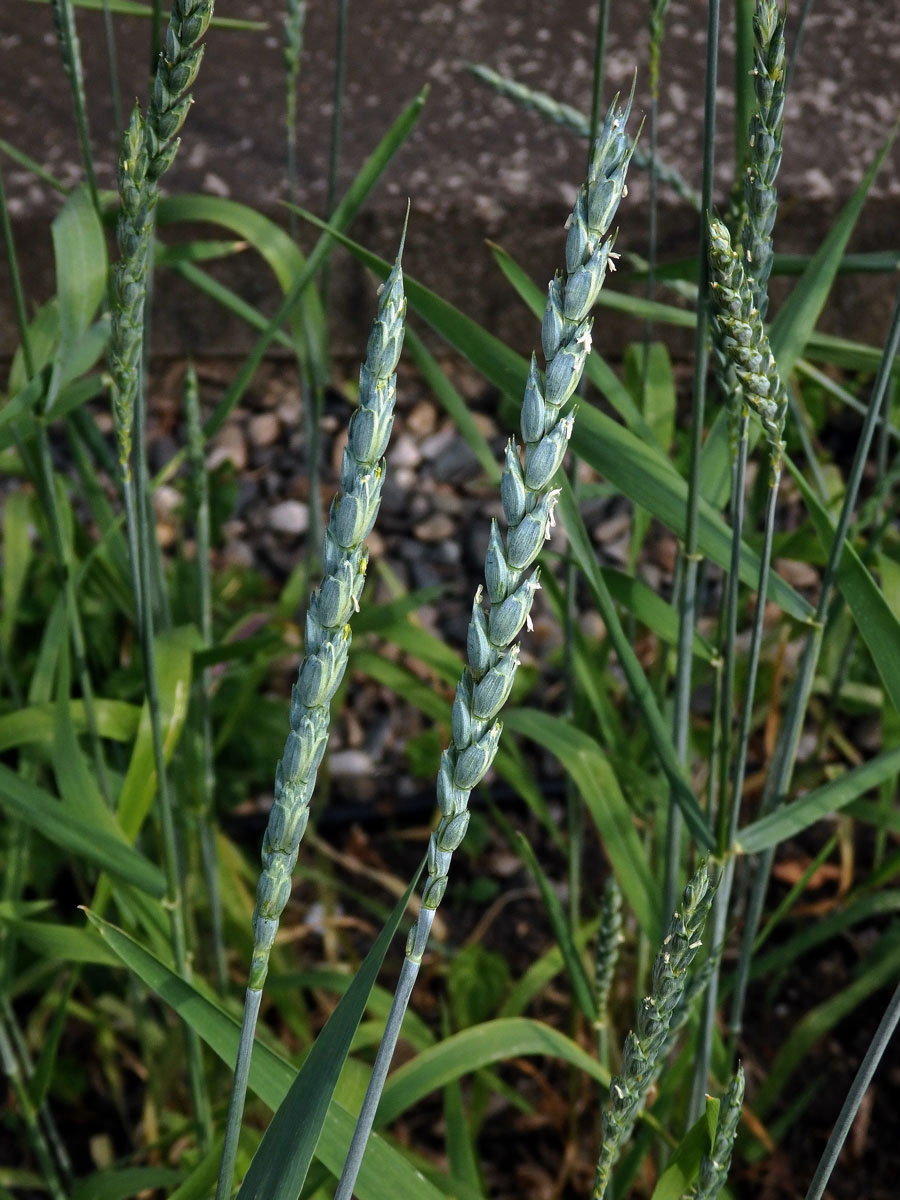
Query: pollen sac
[[507, 619], [489, 696], [553, 325], [472, 764], [478, 646], [453, 832], [461, 713], [496, 571], [451, 799], [543, 460], [512, 485], [564, 372], [532, 421]]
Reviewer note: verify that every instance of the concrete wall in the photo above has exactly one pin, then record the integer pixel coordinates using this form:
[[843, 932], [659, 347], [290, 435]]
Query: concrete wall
[[476, 166]]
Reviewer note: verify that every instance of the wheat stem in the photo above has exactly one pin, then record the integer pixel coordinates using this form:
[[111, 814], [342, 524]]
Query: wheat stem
[[688, 593]]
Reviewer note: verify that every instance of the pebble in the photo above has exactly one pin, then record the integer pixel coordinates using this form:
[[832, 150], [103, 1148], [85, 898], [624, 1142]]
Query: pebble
[[422, 419], [437, 528], [436, 445], [230, 446], [350, 764], [264, 429], [290, 516], [404, 453]]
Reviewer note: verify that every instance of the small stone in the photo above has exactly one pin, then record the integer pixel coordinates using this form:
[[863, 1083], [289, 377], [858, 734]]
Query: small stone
[[264, 429], [289, 517], [290, 411], [350, 764], [436, 528], [436, 445], [404, 453], [797, 574], [230, 446], [422, 420]]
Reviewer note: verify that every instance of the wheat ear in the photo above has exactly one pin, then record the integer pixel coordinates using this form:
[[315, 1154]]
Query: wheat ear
[[714, 1167], [766, 130], [528, 503], [643, 1056], [745, 342], [331, 606], [606, 956]]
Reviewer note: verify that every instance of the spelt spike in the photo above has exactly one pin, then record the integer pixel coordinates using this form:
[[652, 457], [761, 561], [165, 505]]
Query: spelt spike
[[714, 1167], [606, 952], [644, 1051], [332, 605], [528, 502], [743, 338], [766, 129]]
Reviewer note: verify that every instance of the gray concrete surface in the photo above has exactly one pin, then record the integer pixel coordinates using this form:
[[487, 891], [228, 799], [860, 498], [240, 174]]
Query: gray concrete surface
[[476, 166]]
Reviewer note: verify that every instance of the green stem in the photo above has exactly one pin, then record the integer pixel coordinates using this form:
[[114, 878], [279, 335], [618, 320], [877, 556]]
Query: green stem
[[798, 40], [252, 1001], [337, 128], [868, 1066], [76, 630], [174, 901], [408, 974], [39, 1144], [64, 19], [112, 62], [781, 771], [689, 553]]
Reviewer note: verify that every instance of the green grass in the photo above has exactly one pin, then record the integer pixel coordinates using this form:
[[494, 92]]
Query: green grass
[[143, 701]]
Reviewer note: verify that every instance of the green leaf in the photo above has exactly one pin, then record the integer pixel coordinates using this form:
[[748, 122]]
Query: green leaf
[[66, 943], [17, 556], [35, 725], [43, 812], [640, 688], [174, 650], [685, 1162], [640, 471], [657, 391], [797, 317], [878, 625], [879, 969], [790, 820], [282, 1159], [79, 248], [560, 926], [133, 8], [124, 1183], [591, 773], [452, 403], [385, 1172], [473, 1049]]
